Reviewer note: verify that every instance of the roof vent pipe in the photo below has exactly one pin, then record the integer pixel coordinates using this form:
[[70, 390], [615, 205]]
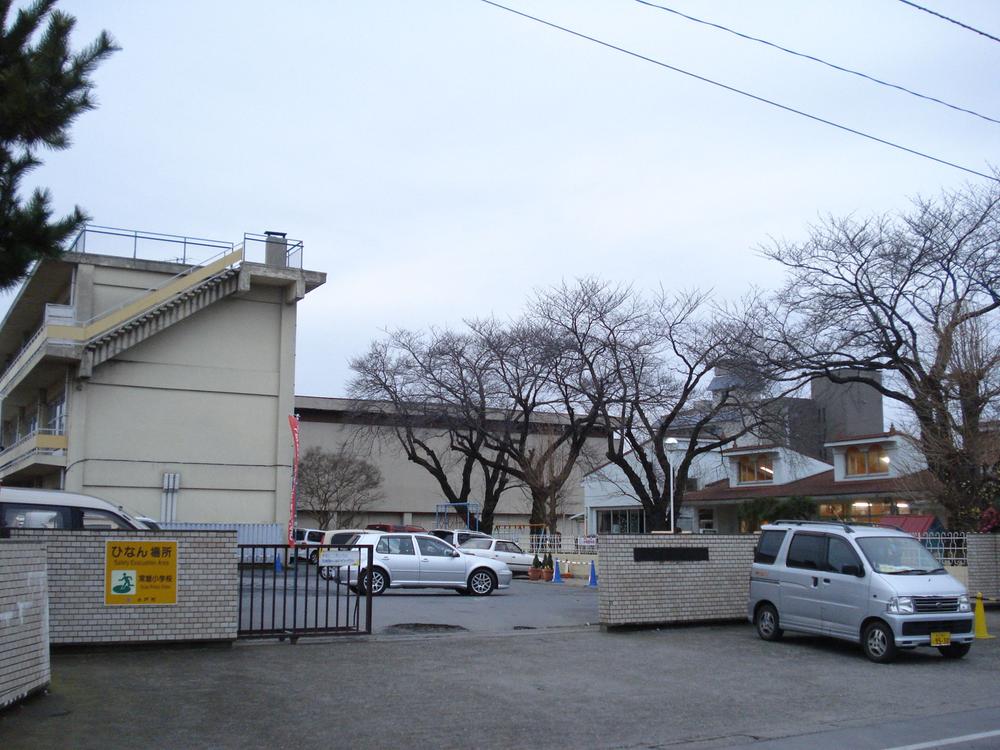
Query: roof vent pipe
[[276, 249]]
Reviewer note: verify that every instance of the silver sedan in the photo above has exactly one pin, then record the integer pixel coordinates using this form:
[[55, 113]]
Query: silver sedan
[[421, 561]]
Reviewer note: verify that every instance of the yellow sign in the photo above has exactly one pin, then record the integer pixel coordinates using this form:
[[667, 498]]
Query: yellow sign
[[140, 572]]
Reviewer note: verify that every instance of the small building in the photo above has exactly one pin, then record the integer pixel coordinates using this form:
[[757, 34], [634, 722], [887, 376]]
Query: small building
[[157, 372], [793, 443], [872, 477]]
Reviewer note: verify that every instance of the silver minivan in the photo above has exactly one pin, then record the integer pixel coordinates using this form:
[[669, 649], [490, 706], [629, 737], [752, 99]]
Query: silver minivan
[[871, 585], [29, 508]]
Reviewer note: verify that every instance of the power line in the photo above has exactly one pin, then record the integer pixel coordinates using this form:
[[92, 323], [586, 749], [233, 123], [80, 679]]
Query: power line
[[741, 92], [803, 55], [949, 20]]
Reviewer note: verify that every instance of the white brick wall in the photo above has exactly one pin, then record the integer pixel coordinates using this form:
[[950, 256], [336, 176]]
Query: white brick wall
[[984, 565], [24, 619], [645, 593], [207, 589]]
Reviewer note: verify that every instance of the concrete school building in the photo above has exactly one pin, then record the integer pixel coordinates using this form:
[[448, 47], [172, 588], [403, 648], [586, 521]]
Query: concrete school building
[[409, 494], [156, 371]]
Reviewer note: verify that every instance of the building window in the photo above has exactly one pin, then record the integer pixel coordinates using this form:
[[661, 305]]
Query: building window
[[56, 411], [862, 511], [706, 520], [866, 459], [621, 521], [756, 468]]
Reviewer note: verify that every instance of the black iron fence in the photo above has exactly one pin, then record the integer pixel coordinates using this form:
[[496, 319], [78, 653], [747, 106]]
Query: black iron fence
[[290, 592]]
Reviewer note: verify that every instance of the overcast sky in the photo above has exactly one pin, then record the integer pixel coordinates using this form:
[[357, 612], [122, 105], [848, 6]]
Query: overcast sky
[[442, 158]]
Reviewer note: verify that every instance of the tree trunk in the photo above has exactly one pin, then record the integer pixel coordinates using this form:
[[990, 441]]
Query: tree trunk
[[656, 516], [486, 517]]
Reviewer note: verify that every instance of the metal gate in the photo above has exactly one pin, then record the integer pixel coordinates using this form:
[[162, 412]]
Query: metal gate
[[285, 593]]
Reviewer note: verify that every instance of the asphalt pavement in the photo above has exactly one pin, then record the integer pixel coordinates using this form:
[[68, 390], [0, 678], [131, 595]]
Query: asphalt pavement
[[526, 605], [568, 686]]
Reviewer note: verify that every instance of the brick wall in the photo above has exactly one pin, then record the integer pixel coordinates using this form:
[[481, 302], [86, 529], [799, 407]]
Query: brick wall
[[984, 564], [207, 595], [644, 593], [24, 621]]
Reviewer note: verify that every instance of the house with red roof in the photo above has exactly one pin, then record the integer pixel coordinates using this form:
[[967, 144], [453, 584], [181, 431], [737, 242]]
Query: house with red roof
[[872, 477], [825, 447]]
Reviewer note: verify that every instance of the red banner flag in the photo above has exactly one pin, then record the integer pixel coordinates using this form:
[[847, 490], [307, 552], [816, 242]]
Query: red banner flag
[[293, 423]]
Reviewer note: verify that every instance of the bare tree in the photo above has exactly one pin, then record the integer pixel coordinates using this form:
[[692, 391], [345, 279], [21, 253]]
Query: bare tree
[[416, 377], [337, 488], [645, 365], [914, 297], [536, 415]]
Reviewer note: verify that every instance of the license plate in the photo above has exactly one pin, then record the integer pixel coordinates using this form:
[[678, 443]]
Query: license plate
[[940, 639]]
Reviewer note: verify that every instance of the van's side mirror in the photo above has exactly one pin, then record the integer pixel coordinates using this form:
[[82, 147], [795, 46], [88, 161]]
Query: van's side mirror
[[853, 570]]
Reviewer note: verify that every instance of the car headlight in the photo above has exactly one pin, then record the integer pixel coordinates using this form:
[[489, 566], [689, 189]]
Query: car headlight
[[963, 603], [900, 605]]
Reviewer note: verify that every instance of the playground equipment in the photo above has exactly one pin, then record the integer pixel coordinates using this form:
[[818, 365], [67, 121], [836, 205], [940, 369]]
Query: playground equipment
[[446, 513]]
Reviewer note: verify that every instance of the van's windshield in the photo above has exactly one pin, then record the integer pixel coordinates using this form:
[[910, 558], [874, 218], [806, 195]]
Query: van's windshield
[[899, 555]]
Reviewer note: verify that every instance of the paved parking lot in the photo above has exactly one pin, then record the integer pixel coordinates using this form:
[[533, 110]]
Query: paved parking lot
[[525, 605], [565, 687]]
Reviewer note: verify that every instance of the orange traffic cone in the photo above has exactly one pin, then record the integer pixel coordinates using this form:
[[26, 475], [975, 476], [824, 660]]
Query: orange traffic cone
[[981, 633]]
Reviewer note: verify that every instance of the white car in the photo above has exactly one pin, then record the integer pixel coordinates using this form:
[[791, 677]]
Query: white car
[[420, 561], [499, 549], [458, 537], [305, 538]]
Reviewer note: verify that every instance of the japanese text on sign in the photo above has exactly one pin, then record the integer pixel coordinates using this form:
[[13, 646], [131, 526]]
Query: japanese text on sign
[[140, 572]]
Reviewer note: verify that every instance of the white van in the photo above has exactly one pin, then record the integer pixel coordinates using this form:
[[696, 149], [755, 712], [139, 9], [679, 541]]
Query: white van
[[875, 586], [28, 508]]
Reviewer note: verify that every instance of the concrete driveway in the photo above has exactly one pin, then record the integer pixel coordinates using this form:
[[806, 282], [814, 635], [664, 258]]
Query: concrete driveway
[[526, 605], [572, 687]]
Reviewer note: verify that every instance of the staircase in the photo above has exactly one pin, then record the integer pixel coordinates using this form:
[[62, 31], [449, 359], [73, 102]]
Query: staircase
[[134, 331]]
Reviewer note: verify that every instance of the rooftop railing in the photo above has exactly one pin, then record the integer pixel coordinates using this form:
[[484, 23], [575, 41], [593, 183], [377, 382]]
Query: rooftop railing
[[170, 248], [174, 248], [137, 244]]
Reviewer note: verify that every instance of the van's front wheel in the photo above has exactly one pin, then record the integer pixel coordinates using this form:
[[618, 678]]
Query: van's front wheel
[[766, 622], [878, 643]]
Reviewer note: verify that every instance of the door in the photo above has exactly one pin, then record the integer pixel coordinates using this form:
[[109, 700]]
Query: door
[[844, 594], [397, 555], [800, 601], [439, 563], [510, 553]]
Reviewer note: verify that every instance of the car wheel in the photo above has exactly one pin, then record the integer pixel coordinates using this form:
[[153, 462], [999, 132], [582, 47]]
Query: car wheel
[[374, 582], [766, 622], [314, 557], [955, 650], [878, 642], [481, 582], [325, 573]]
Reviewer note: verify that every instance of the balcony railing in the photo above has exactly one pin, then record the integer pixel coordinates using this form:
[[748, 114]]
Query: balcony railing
[[44, 441]]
